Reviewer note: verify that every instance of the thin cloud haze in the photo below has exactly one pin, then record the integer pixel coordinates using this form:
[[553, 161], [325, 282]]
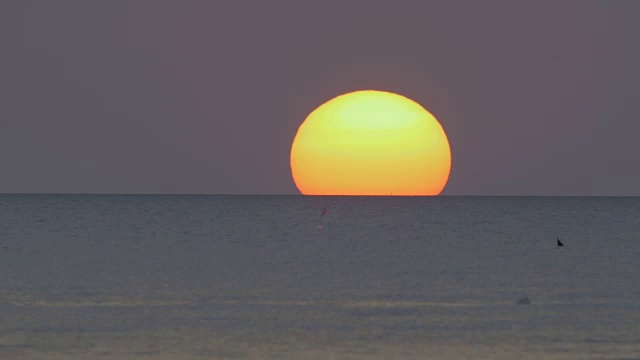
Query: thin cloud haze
[[537, 98]]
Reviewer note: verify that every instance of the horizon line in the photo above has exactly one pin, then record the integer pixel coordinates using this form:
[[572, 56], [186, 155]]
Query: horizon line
[[301, 195]]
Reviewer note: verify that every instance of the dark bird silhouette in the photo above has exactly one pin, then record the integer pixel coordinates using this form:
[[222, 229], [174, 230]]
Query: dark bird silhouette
[[559, 242]]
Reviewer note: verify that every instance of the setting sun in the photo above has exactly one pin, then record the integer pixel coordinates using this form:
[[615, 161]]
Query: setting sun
[[370, 143]]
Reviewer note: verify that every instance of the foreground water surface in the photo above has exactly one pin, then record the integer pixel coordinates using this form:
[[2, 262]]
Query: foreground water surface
[[271, 277]]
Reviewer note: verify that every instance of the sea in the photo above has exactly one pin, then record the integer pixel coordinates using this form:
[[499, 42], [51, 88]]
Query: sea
[[314, 277]]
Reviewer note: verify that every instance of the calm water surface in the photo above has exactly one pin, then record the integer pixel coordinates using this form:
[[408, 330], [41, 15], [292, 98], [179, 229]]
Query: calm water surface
[[257, 277]]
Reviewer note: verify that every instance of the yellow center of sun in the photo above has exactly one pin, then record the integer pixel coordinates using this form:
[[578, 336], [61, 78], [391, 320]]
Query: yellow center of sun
[[370, 143]]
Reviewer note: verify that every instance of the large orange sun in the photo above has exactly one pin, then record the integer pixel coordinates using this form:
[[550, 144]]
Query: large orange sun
[[370, 143]]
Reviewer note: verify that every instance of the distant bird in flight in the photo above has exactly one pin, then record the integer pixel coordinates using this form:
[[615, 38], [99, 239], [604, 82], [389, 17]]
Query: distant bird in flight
[[559, 242]]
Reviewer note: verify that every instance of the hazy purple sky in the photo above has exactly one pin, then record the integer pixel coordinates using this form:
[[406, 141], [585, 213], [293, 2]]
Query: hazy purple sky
[[537, 97]]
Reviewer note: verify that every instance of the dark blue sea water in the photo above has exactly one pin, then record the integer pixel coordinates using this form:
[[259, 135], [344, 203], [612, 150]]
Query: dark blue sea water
[[270, 277]]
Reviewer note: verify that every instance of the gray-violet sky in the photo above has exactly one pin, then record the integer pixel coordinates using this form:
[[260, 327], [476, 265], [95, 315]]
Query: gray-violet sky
[[149, 96]]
